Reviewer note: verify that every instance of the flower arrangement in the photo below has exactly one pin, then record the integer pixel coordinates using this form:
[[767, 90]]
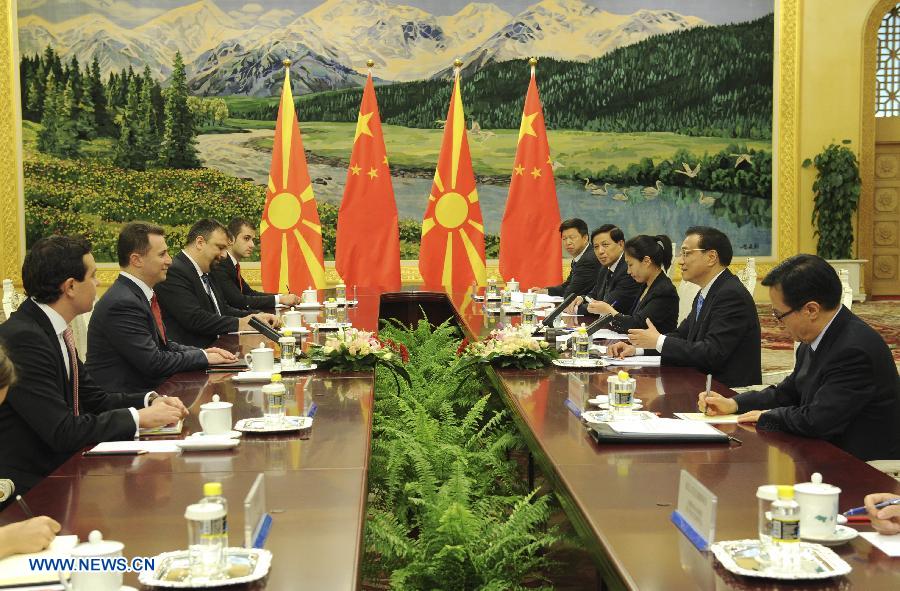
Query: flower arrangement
[[511, 346], [352, 349]]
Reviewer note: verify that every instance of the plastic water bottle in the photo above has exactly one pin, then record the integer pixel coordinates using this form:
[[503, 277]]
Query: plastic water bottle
[[786, 529], [273, 400], [505, 298], [212, 493], [205, 522], [528, 313], [491, 288], [582, 344]]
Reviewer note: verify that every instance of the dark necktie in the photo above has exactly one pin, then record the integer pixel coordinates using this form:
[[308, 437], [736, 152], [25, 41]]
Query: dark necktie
[[699, 305], [209, 292], [69, 339], [157, 315], [240, 281]]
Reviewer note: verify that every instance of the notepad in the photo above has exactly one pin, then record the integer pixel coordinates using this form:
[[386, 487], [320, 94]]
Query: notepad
[[14, 569], [890, 545], [636, 361], [710, 420], [664, 427], [164, 430], [152, 446], [605, 333]]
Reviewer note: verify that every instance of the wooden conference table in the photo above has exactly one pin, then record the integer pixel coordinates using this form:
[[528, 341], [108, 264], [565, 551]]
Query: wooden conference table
[[618, 497]]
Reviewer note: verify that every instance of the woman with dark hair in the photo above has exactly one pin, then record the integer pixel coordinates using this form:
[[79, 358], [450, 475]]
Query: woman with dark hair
[[32, 534], [648, 258]]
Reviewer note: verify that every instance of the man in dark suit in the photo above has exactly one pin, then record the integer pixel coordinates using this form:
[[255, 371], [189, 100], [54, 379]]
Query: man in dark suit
[[613, 286], [128, 348], [194, 309], [844, 387], [721, 335], [227, 273], [585, 266], [54, 409]]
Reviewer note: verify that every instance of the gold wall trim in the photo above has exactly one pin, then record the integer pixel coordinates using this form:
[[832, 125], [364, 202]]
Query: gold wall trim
[[865, 237], [785, 144]]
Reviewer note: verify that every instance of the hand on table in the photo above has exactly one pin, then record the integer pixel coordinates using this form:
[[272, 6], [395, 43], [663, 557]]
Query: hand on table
[[31, 535], [215, 355], [598, 307], [288, 299], [887, 520], [165, 410], [620, 350], [715, 404], [571, 308]]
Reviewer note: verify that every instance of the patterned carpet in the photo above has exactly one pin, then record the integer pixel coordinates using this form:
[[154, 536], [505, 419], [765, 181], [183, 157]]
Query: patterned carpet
[[778, 349]]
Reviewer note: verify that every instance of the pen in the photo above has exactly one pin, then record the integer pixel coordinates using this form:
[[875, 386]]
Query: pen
[[708, 387], [862, 510], [123, 452], [226, 369], [25, 508]]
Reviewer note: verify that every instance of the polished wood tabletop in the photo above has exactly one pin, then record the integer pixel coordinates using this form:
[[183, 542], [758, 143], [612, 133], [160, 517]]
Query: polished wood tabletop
[[621, 496]]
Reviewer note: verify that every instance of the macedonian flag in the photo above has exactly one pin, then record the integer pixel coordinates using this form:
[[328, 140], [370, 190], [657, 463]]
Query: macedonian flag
[[452, 252], [290, 232]]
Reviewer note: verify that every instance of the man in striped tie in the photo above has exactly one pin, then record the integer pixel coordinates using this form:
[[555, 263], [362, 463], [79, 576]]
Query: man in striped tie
[[55, 409], [128, 348]]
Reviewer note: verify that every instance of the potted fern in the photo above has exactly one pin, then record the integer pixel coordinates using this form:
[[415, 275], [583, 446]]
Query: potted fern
[[837, 188]]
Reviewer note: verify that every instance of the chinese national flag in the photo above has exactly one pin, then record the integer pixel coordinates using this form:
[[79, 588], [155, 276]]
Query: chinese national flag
[[368, 236], [290, 231], [452, 252], [530, 249]]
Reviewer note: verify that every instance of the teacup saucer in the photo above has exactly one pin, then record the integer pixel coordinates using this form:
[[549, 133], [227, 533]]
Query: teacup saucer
[[842, 534], [228, 434]]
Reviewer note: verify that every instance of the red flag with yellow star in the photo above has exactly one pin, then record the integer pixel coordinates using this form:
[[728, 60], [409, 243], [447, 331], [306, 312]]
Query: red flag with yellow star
[[452, 252], [530, 249], [368, 236], [290, 231]]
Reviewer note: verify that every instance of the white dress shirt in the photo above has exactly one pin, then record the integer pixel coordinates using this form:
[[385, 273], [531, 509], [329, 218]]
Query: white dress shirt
[[200, 274]]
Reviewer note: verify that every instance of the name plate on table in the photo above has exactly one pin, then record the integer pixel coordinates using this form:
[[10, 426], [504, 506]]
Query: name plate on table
[[696, 513], [257, 520]]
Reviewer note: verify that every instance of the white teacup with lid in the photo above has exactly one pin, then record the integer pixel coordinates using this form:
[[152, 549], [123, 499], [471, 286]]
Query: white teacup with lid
[[100, 580], [261, 358], [512, 285], [292, 318], [215, 416], [818, 508], [309, 296]]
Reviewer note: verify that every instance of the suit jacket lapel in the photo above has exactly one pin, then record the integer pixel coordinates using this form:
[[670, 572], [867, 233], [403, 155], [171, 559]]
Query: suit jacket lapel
[[145, 306], [707, 301], [32, 309], [199, 290]]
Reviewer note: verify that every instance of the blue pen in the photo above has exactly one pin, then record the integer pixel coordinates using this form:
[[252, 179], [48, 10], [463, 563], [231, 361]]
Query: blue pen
[[863, 510], [312, 410], [572, 408]]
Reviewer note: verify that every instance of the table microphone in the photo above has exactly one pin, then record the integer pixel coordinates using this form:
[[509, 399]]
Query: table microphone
[[548, 321], [264, 329], [601, 322]]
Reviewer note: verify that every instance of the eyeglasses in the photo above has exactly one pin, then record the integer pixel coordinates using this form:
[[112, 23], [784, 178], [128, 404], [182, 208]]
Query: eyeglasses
[[685, 251], [780, 317]]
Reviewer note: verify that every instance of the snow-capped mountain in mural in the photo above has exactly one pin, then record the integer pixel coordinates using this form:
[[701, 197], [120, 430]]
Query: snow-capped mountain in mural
[[237, 53]]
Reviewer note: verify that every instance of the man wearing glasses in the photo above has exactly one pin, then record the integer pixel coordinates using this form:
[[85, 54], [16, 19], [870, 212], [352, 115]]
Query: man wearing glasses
[[721, 335], [844, 387]]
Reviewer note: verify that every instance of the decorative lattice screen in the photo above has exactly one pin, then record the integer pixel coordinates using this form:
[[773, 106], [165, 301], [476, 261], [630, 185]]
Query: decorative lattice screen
[[887, 76]]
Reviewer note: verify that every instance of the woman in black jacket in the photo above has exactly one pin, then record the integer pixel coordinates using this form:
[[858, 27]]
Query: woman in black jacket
[[648, 257]]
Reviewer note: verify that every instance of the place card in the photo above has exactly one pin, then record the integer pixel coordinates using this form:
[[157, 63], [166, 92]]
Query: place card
[[696, 513]]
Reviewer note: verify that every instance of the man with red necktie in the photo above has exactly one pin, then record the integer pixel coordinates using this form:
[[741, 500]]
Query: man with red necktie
[[55, 409], [127, 345], [227, 273]]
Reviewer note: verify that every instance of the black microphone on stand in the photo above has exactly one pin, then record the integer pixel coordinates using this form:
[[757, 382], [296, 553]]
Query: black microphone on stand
[[601, 322], [548, 320]]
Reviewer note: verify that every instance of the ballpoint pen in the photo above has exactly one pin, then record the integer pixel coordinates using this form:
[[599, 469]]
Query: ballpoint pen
[[862, 510], [708, 388], [25, 508]]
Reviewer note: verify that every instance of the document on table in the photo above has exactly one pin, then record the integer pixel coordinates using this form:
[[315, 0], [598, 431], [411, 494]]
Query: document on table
[[636, 361], [663, 427], [519, 297], [14, 569], [152, 446], [605, 333], [890, 545], [703, 418]]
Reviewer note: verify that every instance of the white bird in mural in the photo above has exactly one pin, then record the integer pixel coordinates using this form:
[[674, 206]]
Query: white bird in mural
[[441, 122], [589, 186], [688, 171], [620, 197], [652, 193], [557, 164], [604, 192], [706, 200], [741, 158]]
